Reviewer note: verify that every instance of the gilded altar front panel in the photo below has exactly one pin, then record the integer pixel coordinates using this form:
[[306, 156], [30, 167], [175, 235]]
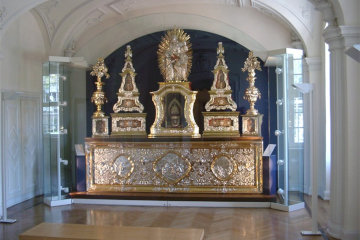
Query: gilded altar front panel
[[194, 166]]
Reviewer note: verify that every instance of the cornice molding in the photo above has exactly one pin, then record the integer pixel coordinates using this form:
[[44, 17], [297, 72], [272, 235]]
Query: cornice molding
[[351, 35]]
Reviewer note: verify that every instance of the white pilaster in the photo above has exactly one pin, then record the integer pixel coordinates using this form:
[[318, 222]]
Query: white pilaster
[[338, 103], [351, 35], [1, 152], [319, 129], [344, 95]]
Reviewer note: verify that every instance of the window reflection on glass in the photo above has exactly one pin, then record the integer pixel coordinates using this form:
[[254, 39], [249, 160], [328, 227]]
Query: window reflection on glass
[[50, 103], [298, 116]]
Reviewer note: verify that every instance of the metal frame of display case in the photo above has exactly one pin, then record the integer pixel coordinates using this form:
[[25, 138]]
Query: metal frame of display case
[[287, 74], [55, 103]]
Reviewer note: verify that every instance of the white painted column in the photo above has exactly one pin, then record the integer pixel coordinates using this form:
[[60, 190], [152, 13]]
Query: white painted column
[[319, 129], [344, 95], [338, 103], [1, 153], [351, 179]]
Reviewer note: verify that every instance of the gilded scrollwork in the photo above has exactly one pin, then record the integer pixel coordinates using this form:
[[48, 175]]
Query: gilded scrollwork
[[190, 127], [162, 167]]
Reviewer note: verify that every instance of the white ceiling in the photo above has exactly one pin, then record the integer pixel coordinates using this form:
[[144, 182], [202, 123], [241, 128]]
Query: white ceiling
[[75, 24]]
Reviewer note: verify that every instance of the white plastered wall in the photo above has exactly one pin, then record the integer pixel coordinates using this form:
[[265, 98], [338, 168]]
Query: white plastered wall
[[23, 52]]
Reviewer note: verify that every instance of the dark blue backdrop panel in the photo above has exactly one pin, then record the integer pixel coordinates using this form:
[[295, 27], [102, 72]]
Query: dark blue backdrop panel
[[204, 47]]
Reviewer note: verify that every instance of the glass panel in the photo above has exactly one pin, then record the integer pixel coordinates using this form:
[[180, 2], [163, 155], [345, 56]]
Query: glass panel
[[54, 134], [290, 129]]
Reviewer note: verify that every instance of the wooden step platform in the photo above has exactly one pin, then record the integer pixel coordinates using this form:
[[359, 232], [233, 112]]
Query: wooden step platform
[[45, 231], [218, 197]]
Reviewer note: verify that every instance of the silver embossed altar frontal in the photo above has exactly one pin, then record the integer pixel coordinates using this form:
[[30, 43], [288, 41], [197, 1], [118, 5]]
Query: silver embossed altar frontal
[[194, 166]]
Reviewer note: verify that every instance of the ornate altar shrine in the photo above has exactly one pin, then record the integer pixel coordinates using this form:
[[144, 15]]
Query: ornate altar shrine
[[173, 157]]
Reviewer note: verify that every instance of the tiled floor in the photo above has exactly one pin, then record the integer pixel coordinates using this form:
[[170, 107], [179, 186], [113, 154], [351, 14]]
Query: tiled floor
[[219, 223]]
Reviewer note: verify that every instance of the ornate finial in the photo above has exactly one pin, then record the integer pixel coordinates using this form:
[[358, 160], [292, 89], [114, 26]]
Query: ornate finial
[[128, 52], [251, 93], [100, 70], [220, 50], [251, 63]]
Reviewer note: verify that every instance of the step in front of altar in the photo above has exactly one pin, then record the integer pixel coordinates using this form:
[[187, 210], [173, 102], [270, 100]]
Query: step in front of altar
[[160, 196]]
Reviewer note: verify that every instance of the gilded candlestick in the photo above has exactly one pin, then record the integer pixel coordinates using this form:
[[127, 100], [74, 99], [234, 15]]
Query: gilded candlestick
[[251, 93], [98, 98]]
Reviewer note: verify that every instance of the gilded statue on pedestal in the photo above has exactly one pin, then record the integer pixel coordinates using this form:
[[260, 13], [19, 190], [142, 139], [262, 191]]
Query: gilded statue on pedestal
[[175, 56], [174, 101]]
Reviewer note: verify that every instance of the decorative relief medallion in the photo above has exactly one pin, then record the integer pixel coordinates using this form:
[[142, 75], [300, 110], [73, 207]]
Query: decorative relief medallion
[[221, 124], [123, 166], [172, 167], [100, 126], [128, 124], [223, 167]]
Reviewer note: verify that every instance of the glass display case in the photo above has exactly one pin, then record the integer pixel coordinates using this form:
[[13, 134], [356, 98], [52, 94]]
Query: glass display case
[[55, 119], [290, 130]]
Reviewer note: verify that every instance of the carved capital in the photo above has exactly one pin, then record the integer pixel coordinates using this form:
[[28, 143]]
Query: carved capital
[[333, 37], [326, 8]]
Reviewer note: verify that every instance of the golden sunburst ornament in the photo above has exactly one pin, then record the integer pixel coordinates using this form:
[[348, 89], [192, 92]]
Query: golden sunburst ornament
[[175, 56]]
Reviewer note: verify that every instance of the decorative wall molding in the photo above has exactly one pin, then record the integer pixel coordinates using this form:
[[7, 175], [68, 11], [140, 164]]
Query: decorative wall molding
[[45, 12], [3, 14], [94, 17], [122, 6], [351, 35], [21, 137]]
